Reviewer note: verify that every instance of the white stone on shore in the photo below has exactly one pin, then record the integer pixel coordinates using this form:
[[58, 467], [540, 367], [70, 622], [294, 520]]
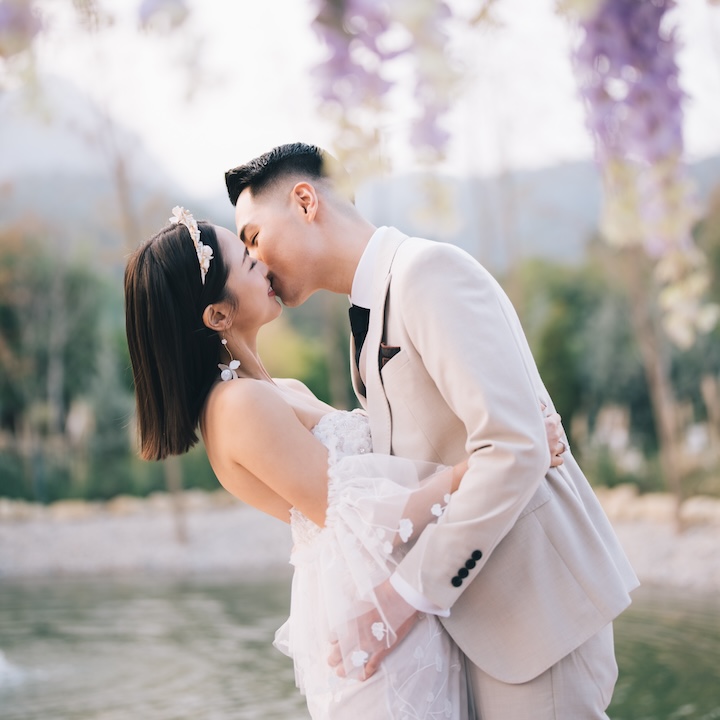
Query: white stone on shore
[[129, 534], [700, 510], [64, 510]]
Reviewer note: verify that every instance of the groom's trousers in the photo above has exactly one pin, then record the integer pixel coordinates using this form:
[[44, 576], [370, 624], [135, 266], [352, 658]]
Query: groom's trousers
[[578, 687]]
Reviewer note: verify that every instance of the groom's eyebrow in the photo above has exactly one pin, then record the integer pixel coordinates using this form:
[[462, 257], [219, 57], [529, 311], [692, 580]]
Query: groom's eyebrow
[[242, 235]]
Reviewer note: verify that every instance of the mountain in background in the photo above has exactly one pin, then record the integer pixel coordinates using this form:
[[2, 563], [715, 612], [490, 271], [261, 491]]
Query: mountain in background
[[67, 170], [550, 213], [64, 164]]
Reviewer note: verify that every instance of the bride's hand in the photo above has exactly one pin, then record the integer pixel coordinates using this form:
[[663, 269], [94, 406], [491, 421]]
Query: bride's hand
[[556, 437], [360, 646]]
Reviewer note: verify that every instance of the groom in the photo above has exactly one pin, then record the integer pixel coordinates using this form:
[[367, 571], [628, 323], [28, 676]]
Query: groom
[[523, 567]]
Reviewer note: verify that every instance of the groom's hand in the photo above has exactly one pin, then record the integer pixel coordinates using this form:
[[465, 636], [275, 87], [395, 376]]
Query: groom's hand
[[360, 646]]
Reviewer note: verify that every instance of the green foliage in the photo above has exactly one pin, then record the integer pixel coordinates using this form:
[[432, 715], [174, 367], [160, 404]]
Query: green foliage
[[43, 306], [601, 468], [578, 328], [63, 347]]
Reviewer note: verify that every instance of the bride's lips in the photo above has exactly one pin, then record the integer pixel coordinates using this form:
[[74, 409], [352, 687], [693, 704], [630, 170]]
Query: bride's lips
[[271, 292]]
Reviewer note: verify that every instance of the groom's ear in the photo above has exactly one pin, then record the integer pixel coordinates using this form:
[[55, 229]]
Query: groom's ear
[[217, 317], [305, 197]]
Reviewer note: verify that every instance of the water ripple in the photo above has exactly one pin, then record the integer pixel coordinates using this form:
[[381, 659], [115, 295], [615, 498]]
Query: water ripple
[[154, 649]]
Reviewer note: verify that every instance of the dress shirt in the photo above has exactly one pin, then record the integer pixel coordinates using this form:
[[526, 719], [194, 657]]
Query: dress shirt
[[362, 286]]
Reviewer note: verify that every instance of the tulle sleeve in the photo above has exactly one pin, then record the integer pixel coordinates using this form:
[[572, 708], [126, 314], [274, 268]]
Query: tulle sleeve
[[377, 507]]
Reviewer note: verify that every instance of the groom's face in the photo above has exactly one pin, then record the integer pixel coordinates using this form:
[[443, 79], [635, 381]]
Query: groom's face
[[268, 225]]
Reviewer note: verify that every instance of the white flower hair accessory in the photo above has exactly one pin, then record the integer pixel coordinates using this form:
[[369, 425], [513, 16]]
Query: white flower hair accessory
[[204, 252]]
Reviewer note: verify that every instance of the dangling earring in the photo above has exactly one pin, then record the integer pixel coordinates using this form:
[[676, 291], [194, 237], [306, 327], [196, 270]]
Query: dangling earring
[[228, 372]]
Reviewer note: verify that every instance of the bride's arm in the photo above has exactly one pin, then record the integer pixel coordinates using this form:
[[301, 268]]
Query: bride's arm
[[259, 448]]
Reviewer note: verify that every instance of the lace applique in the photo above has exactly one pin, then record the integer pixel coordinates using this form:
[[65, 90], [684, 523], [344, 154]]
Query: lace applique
[[343, 434]]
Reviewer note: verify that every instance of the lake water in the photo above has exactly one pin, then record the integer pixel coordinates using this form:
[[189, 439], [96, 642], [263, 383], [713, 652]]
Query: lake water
[[159, 649]]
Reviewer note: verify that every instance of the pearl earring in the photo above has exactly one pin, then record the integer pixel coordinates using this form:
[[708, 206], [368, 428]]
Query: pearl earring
[[228, 372]]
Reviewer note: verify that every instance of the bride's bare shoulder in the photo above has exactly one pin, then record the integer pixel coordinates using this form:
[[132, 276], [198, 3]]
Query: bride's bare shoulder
[[243, 398], [294, 384]]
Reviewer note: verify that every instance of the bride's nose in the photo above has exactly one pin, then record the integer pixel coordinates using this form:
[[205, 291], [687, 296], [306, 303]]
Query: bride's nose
[[262, 267]]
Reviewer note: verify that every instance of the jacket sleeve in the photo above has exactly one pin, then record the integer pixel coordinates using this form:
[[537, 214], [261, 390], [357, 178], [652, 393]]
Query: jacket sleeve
[[469, 339]]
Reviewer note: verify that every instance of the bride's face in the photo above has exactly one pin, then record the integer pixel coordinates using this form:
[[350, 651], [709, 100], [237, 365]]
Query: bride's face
[[275, 229], [248, 283]]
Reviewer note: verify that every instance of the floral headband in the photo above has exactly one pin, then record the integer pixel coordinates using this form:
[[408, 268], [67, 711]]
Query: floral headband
[[204, 252]]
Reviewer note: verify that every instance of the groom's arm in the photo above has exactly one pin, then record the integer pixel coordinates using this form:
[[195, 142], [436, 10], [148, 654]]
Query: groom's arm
[[466, 334], [470, 343]]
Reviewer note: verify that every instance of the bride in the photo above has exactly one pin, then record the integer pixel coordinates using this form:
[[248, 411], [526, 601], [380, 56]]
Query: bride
[[194, 302]]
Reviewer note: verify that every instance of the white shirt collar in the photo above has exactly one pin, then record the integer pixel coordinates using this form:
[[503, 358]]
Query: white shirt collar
[[361, 292]]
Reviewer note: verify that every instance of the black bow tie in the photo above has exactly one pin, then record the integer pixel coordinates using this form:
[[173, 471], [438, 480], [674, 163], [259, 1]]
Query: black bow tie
[[359, 320]]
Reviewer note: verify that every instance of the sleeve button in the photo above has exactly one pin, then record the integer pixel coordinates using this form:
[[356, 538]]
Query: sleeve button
[[456, 581]]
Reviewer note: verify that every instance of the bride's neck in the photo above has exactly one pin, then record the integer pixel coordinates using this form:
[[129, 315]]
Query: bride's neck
[[245, 350]]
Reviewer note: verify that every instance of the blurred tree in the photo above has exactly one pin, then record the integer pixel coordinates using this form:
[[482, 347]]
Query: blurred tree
[[50, 316]]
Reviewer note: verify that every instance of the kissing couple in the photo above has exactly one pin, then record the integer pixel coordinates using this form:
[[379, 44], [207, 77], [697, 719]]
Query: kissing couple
[[451, 559]]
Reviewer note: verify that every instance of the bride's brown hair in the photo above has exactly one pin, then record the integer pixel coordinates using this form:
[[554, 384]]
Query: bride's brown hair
[[174, 356]]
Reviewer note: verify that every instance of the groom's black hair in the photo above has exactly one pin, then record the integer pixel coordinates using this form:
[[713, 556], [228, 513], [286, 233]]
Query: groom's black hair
[[292, 159]]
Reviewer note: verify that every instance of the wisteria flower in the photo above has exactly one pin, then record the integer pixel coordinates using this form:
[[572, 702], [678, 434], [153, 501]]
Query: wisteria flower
[[437, 509], [387, 547], [164, 14], [19, 25], [405, 529]]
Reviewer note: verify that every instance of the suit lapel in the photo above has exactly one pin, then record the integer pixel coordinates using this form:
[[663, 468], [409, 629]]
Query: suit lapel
[[376, 401]]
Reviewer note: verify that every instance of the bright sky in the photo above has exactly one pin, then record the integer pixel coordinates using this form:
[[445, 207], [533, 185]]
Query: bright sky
[[253, 89]]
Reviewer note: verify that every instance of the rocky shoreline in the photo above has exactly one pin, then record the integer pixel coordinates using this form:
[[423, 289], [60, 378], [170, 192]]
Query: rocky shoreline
[[212, 532]]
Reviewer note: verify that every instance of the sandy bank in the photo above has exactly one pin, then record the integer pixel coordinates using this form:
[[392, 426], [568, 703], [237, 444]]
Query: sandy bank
[[133, 535]]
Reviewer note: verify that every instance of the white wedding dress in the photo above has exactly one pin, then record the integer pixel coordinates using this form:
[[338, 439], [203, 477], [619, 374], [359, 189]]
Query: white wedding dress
[[377, 506]]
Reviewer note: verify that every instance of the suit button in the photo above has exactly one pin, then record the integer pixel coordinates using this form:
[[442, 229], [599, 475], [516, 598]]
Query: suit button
[[463, 572], [470, 564], [476, 555], [456, 581]]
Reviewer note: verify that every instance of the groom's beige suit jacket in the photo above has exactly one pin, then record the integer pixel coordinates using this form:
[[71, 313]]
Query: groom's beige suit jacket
[[543, 568]]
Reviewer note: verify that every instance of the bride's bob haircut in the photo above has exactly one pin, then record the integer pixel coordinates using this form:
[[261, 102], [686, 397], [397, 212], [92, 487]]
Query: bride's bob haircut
[[174, 356]]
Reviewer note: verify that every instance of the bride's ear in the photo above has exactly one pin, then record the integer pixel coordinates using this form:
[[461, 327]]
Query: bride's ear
[[217, 317]]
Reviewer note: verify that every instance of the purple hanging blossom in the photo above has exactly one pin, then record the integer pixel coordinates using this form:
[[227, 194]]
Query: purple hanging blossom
[[628, 77], [19, 24], [164, 14], [629, 80], [362, 39]]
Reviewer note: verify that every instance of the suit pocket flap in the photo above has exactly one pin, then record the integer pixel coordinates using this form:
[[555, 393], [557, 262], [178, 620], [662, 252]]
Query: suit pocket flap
[[541, 496], [392, 365]]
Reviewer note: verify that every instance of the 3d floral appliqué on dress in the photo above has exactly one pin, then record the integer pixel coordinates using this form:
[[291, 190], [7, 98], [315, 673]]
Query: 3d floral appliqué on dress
[[377, 507]]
